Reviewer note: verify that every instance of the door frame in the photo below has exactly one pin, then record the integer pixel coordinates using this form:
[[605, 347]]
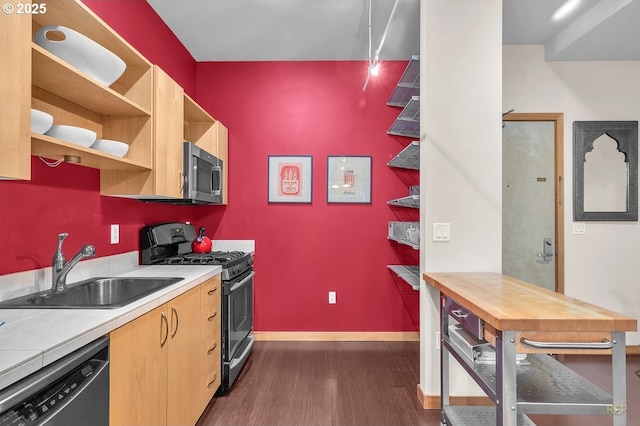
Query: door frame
[[558, 120]]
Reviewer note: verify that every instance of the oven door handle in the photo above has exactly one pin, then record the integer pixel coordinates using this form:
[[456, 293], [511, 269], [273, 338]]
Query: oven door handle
[[237, 286]]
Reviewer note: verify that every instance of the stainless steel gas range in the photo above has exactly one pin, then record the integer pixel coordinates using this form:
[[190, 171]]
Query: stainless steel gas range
[[170, 244]]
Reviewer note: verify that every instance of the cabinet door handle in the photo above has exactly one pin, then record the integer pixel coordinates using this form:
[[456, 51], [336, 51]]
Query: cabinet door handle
[[210, 351], [163, 319], [215, 313], [215, 377], [213, 290], [174, 312]]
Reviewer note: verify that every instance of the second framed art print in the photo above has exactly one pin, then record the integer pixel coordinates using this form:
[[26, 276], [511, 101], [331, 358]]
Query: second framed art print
[[349, 179]]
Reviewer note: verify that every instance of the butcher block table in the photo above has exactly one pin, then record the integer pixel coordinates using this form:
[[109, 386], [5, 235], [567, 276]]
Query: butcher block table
[[504, 335]]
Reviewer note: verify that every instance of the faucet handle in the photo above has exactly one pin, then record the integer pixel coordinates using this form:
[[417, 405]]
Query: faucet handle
[[61, 238]]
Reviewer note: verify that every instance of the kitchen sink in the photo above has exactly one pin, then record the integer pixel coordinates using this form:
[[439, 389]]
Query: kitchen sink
[[94, 293]]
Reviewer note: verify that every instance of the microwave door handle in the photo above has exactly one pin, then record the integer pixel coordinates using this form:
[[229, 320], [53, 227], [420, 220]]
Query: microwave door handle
[[185, 181], [219, 170]]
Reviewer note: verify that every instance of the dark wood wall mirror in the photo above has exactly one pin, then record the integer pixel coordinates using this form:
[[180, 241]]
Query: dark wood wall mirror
[[605, 158]]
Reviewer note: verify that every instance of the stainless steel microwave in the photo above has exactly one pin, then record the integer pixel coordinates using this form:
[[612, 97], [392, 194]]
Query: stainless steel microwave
[[202, 174]]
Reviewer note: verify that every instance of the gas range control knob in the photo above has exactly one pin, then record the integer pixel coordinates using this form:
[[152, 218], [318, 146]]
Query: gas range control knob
[[236, 268], [250, 262]]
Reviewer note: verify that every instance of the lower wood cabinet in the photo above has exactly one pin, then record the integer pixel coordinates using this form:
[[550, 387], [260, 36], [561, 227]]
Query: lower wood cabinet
[[160, 372], [211, 338]]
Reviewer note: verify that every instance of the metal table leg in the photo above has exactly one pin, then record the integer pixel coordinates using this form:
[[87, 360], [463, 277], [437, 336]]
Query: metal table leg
[[444, 360], [619, 376], [506, 406]]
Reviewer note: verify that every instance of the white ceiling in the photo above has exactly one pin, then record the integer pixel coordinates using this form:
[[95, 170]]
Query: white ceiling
[[301, 30], [597, 30], [291, 30]]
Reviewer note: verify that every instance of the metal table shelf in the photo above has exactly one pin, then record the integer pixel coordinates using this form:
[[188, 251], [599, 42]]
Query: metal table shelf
[[477, 416], [543, 386]]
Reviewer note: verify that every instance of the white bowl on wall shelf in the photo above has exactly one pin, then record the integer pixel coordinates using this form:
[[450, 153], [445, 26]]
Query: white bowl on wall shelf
[[116, 148], [81, 52], [40, 121], [76, 135]]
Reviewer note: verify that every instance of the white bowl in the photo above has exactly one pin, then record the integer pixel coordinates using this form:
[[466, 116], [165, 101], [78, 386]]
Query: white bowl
[[83, 53], [40, 121], [73, 134], [117, 148]]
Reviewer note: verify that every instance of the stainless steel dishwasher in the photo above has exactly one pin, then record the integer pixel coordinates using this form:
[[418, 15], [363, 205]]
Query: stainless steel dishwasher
[[71, 391]]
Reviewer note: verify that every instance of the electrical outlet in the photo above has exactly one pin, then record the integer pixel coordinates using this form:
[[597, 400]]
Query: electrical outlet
[[332, 297], [115, 234]]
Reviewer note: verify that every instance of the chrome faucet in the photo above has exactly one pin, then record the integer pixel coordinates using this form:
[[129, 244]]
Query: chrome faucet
[[60, 266]]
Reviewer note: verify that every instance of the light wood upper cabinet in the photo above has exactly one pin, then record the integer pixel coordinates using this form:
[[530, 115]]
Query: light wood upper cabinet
[[158, 364], [209, 134], [15, 86], [120, 112], [144, 108], [165, 179], [31, 77], [168, 136]]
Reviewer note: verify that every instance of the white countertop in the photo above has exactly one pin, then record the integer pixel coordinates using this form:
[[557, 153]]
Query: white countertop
[[33, 338]]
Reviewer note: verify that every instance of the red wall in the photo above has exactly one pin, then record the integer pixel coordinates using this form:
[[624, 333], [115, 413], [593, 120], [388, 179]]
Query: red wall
[[305, 251], [67, 199], [140, 25]]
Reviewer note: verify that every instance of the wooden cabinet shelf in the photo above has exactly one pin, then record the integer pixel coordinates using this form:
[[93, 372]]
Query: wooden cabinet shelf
[[56, 76], [194, 112], [56, 149]]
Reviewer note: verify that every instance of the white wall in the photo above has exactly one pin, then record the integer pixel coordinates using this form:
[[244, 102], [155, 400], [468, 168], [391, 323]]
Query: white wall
[[461, 153], [603, 266]]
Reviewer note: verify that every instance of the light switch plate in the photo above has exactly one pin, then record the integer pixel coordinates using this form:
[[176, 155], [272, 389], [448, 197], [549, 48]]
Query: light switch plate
[[579, 228], [441, 232]]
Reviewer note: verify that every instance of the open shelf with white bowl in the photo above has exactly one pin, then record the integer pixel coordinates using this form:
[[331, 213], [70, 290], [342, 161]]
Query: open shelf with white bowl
[[49, 147], [56, 76], [121, 111]]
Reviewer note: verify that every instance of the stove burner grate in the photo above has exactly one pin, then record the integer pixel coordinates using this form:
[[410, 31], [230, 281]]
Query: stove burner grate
[[212, 258]]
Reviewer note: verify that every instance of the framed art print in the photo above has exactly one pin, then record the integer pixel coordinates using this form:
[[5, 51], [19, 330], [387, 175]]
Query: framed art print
[[349, 179], [290, 179]]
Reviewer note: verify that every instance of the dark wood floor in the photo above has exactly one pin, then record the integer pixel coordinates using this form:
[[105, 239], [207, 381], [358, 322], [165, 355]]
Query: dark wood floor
[[361, 383]]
